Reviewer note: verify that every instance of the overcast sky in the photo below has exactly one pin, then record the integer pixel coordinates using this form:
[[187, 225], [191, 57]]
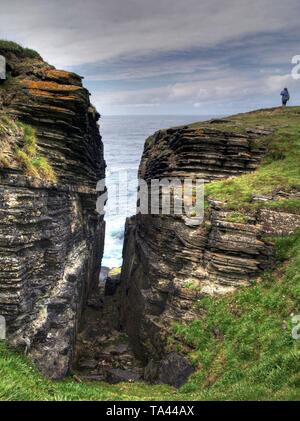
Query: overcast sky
[[166, 56]]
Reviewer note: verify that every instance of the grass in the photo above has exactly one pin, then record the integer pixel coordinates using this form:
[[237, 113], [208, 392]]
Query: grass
[[10, 85], [34, 165], [280, 168], [6, 124], [237, 218], [29, 137], [4, 162], [13, 47], [26, 155], [27, 163], [241, 344], [8, 130], [115, 271], [44, 169], [20, 381]]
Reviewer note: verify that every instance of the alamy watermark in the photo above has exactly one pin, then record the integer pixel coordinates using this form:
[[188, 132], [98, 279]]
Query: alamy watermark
[[296, 327], [2, 328], [2, 68], [296, 68], [165, 196]]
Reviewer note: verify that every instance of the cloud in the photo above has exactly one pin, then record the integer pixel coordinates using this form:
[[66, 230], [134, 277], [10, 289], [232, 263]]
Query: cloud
[[170, 53], [276, 82], [79, 32]]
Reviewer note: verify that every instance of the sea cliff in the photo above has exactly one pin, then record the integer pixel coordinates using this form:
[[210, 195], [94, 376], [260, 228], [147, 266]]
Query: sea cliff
[[51, 238], [250, 166]]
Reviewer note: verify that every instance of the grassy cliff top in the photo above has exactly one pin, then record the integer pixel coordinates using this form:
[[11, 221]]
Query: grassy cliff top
[[263, 118], [280, 169], [13, 47], [274, 130]]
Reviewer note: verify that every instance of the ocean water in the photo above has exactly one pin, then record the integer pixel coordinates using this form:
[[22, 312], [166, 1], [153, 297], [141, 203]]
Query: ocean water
[[124, 138]]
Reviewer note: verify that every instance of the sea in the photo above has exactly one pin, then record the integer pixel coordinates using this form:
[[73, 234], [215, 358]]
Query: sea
[[124, 138]]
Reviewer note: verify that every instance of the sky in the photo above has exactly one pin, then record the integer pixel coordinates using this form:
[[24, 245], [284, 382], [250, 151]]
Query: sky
[[195, 57]]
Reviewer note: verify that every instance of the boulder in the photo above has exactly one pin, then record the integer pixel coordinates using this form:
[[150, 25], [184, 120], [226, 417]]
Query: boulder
[[174, 370]]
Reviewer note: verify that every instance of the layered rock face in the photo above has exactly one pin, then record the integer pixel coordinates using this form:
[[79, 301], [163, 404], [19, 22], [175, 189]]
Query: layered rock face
[[169, 265], [204, 152], [51, 238]]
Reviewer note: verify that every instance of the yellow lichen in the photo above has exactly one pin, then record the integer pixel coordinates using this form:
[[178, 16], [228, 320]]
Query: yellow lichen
[[50, 86]]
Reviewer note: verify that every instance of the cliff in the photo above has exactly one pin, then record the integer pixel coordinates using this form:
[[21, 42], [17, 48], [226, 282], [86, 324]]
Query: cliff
[[51, 238], [250, 163]]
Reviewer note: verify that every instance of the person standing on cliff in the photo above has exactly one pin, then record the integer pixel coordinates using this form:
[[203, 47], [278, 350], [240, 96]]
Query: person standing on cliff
[[285, 96]]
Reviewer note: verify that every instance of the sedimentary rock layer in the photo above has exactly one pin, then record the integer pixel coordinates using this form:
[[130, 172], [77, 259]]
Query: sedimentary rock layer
[[203, 152], [169, 265], [51, 238]]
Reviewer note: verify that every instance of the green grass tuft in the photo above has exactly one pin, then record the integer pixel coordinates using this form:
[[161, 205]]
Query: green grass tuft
[[27, 155], [237, 217], [27, 163], [34, 165], [13, 47], [44, 168], [29, 137]]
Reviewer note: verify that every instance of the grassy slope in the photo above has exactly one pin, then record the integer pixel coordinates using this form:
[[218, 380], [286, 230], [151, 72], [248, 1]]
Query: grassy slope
[[280, 169], [241, 344]]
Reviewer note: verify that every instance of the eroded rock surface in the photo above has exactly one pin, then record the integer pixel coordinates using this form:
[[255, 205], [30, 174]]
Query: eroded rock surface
[[169, 265], [203, 152], [103, 351], [51, 238]]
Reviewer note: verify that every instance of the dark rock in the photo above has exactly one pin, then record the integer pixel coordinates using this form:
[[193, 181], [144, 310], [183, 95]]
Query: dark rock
[[168, 265], [219, 121], [87, 364], [51, 238], [174, 370], [151, 371], [110, 286], [94, 378], [117, 375], [104, 273], [121, 348]]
